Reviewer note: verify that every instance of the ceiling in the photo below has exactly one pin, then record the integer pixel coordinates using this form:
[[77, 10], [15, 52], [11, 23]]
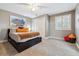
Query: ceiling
[[48, 8]]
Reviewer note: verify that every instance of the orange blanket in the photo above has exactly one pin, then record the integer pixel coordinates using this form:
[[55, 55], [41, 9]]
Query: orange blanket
[[28, 35]]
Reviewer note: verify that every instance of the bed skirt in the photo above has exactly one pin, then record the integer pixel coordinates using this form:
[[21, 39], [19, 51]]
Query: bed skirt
[[20, 46]]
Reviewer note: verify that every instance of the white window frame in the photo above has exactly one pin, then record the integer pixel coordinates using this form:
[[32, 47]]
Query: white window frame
[[60, 24]]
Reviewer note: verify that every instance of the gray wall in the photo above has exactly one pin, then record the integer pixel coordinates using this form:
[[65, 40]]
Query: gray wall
[[77, 25], [47, 26], [62, 33], [4, 22]]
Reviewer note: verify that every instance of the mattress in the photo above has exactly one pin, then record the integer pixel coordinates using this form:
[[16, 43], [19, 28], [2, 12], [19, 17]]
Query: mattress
[[16, 37]]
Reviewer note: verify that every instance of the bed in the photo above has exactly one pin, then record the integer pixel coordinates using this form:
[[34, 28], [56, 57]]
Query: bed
[[22, 41]]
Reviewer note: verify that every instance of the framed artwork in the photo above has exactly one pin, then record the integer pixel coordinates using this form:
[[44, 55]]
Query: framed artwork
[[17, 21], [20, 22]]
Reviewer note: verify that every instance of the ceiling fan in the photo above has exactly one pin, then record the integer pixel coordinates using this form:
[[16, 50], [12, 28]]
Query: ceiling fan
[[33, 6]]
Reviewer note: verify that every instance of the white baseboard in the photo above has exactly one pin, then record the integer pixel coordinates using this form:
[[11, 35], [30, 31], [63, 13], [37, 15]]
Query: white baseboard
[[51, 37], [2, 41], [45, 37]]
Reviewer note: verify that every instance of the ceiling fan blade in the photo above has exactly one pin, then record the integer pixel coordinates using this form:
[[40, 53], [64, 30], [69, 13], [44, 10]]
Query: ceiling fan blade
[[23, 4], [30, 6], [42, 6]]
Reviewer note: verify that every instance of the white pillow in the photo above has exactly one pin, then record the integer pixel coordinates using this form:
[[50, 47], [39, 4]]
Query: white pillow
[[12, 30]]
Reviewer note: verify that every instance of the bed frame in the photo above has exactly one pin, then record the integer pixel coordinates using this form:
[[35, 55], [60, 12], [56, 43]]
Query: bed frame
[[21, 46]]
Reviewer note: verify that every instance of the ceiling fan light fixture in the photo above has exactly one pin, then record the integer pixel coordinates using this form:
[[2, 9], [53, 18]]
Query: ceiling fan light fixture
[[33, 9]]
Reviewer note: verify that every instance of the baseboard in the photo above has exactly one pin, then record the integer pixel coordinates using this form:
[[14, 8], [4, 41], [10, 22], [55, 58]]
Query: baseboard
[[45, 37], [51, 37], [2, 41]]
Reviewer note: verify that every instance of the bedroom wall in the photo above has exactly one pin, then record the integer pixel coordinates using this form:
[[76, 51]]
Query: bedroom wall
[[62, 33], [77, 25], [4, 23]]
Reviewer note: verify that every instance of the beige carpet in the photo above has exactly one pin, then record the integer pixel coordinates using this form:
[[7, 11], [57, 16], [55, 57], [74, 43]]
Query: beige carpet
[[6, 49], [49, 47]]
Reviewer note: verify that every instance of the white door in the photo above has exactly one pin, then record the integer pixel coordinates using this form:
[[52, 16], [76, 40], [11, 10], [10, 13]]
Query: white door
[[39, 26]]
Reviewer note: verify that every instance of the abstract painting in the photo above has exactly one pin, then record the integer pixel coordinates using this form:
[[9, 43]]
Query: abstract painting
[[17, 21]]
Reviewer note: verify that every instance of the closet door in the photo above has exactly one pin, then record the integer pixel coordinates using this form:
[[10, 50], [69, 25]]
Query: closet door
[[38, 25]]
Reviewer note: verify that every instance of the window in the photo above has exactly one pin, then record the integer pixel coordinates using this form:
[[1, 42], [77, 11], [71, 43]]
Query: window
[[63, 22]]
